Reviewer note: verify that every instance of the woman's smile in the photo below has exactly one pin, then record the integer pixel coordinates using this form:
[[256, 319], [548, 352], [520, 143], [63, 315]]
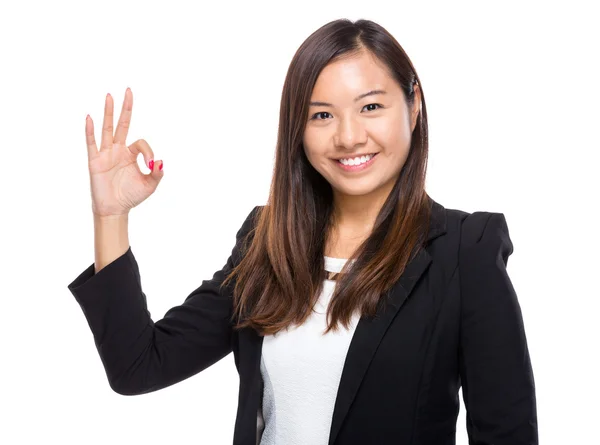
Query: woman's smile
[[355, 164]]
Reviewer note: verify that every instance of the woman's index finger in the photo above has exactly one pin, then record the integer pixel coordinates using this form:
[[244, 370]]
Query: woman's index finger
[[124, 119]]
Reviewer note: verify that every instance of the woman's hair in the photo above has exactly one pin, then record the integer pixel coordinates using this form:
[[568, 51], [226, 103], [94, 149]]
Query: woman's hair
[[281, 273]]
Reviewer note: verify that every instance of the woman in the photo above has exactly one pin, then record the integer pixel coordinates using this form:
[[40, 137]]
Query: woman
[[354, 304]]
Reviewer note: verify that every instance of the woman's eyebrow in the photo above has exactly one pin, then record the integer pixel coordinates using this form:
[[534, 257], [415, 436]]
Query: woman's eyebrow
[[359, 97]]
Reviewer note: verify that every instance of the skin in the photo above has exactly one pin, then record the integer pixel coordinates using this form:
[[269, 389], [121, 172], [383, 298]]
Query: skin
[[117, 183], [380, 123]]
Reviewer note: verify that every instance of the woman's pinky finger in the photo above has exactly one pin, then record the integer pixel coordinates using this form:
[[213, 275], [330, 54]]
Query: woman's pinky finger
[[89, 137]]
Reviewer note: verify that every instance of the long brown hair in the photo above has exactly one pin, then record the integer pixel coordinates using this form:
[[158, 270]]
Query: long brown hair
[[281, 273]]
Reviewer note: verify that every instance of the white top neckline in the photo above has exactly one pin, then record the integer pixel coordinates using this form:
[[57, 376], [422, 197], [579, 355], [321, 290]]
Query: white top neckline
[[334, 264]]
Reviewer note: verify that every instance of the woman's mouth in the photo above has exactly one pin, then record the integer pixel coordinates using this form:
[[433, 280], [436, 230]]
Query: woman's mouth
[[356, 164]]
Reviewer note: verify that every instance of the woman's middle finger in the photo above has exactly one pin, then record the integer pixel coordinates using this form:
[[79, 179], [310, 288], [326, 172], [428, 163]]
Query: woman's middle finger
[[107, 124]]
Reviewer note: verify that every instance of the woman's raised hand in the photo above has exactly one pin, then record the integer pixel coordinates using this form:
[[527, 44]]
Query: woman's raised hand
[[117, 184]]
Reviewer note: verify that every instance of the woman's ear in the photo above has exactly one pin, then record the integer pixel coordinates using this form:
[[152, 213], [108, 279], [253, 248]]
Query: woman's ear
[[416, 108]]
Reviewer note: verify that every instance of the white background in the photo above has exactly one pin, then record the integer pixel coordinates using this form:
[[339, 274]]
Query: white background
[[512, 90]]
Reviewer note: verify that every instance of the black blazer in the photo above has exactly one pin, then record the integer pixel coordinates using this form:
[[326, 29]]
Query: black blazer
[[453, 318]]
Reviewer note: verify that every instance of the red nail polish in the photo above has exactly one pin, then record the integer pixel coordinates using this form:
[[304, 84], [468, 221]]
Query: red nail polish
[[161, 165], [151, 164]]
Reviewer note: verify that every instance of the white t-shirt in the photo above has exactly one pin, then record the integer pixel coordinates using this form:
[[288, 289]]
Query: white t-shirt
[[301, 370]]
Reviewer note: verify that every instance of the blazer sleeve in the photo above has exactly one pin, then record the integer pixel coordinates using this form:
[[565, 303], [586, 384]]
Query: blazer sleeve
[[494, 363], [140, 355]]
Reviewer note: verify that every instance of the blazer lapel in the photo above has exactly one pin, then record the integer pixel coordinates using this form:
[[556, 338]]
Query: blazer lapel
[[368, 333]]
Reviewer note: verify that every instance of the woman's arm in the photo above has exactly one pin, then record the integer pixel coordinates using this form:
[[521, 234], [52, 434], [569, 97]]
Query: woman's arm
[[140, 355], [495, 368], [111, 239]]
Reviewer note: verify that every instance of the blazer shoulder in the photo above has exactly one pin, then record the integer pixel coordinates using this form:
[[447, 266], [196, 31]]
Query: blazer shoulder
[[473, 237], [250, 221], [461, 220], [484, 234], [245, 233], [471, 228]]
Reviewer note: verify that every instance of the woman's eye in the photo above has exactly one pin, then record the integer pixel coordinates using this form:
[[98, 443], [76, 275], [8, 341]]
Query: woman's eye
[[320, 113], [372, 104], [314, 116]]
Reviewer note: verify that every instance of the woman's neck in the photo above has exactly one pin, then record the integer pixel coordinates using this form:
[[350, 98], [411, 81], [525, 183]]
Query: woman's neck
[[354, 216]]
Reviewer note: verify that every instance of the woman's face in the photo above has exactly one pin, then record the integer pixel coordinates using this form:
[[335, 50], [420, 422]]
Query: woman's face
[[341, 124]]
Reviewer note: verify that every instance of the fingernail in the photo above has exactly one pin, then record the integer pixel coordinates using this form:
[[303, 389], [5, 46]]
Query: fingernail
[[151, 164], [161, 165]]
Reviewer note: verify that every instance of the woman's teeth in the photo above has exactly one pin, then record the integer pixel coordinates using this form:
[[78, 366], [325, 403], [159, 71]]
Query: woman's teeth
[[356, 161]]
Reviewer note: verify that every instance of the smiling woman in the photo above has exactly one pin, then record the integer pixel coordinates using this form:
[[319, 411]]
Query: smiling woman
[[349, 178], [355, 305], [353, 129]]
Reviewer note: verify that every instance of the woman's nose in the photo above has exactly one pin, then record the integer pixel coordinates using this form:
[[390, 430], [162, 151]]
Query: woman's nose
[[350, 132]]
